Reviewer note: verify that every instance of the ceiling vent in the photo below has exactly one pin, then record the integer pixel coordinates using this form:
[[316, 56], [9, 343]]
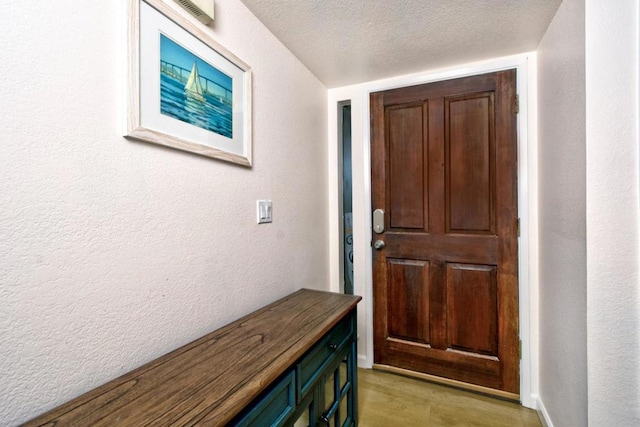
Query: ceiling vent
[[201, 9]]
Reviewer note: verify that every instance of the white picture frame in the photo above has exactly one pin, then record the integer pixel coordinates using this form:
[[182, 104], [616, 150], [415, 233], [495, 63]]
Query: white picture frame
[[204, 108]]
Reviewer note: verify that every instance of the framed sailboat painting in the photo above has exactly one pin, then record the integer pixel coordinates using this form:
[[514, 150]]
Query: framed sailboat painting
[[185, 90]]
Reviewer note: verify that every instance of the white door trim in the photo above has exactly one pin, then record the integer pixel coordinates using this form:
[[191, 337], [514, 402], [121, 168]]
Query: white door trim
[[525, 64]]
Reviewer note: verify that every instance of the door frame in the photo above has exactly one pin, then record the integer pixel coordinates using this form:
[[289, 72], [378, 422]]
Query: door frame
[[525, 64]]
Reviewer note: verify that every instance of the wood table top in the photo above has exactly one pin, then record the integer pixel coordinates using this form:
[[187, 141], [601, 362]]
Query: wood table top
[[210, 380]]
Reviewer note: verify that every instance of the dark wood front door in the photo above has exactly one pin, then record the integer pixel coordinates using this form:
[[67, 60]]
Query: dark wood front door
[[444, 171]]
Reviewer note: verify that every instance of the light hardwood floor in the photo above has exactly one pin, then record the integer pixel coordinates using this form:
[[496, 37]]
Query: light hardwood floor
[[389, 400]]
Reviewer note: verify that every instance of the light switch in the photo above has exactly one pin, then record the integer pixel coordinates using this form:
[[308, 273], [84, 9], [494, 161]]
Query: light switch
[[264, 211]]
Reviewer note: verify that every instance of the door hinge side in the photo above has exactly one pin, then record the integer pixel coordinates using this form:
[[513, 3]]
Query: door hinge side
[[517, 104], [520, 349]]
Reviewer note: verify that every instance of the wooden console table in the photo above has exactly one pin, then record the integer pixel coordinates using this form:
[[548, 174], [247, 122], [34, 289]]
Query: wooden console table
[[292, 362]]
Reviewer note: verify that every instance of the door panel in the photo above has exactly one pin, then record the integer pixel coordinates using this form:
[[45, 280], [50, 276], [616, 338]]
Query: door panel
[[473, 309], [407, 196], [445, 286], [408, 299], [470, 148]]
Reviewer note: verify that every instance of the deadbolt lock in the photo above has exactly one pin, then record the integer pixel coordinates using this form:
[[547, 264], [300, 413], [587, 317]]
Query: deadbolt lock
[[378, 221]]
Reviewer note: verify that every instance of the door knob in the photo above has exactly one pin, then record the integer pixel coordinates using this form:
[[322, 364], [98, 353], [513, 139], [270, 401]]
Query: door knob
[[379, 244]]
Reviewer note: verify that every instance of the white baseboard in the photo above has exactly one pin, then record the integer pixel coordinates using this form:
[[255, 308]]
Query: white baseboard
[[542, 413], [363, 362]]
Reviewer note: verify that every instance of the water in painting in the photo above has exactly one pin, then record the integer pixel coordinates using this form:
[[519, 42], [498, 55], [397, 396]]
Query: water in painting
[[193, 91]]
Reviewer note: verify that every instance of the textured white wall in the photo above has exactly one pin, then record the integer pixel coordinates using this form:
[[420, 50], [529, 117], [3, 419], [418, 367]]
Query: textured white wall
[[562, 218], [114, 252], [613, 230]]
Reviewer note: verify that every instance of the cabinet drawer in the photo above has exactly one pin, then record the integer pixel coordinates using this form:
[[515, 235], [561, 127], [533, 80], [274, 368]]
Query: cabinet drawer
[[323, 353], [274, 407]]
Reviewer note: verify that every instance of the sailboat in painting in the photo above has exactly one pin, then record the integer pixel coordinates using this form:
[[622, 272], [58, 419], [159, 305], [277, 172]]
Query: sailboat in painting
[[193, 88]]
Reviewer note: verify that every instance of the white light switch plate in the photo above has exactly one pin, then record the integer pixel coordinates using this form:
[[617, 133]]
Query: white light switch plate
[[264, 211]]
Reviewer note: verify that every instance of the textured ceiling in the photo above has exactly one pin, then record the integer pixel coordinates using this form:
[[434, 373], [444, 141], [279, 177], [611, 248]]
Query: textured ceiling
[[352, 41]]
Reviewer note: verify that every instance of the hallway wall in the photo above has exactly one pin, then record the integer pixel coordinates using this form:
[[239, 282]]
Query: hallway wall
[[562, 218], [613, 211], [114, 252]]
